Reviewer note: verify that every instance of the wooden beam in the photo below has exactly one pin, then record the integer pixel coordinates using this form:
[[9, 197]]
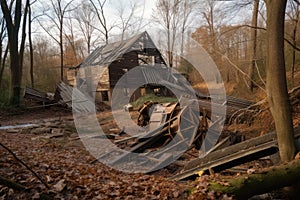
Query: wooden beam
[[233, 155]]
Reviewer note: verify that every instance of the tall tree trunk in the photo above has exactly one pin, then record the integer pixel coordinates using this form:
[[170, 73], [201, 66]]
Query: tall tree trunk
[[293, 56], [16, 54], [13, 33], [2, 64], [212, 28], [61, 46], [30, 46], [276, 79], [253, 44], [170, 54], [16, 74], [294, 37]]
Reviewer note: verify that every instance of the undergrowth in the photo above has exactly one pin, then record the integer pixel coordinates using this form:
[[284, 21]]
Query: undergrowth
[[154, 98]]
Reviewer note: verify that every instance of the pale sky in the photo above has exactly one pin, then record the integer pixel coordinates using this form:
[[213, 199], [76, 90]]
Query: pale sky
[[112, 8]]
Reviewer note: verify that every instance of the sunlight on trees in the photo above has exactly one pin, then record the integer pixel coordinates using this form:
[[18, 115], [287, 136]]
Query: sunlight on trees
[[61, 33]]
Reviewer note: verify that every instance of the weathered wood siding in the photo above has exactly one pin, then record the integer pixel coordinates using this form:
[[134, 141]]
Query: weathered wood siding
[[119, 67], [104, 83], [71, 76], [100, 76]]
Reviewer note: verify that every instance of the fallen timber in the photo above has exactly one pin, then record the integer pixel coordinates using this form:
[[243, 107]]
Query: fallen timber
[[36, 95], [234, 155], [167, 139], [164, 124], [73, 98], [162, 136], [65, 95]]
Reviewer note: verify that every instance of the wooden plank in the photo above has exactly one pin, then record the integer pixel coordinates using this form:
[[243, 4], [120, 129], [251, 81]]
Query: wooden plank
[[34, 94], [163, 160], [157, 117], [139, 147], [170, 107], [233, 155], [248, 144], [146, 135], [170, 148], [223, 143], [230, 160]]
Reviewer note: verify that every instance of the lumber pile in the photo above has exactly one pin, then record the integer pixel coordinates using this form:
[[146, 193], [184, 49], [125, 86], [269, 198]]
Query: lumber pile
[[173, 128]]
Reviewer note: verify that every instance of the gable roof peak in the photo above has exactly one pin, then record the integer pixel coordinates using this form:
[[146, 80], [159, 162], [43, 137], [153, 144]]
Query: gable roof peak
[[104, 55]]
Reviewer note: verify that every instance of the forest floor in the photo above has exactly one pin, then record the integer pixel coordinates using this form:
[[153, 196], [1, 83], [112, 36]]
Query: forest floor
[[52, 149]]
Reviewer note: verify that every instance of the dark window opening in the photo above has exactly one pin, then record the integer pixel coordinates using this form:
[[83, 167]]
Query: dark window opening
[[104, 95]]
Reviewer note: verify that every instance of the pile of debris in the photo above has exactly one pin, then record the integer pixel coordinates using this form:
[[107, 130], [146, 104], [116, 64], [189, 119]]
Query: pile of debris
[[174, 128], [166, 135], [230, 156], [65, 95], [38, 96], [189, 125]]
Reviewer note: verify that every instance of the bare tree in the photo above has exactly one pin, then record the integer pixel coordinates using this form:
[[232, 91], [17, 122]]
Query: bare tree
[[86, 17], [3, 47], [70, 38], [57, 14], [13, 19], [46, 74], [30, 20], [73, 43], [187, 10], [253, 43], [276, 79], [126, 18], [209, 15], [129, 20], [104, 29], [294, 15], [167, 15]]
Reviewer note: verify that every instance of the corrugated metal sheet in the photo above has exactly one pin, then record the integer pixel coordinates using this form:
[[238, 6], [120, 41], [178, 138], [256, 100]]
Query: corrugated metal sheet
[[106, 54], [73, 98], [152, 74], [156, 75]]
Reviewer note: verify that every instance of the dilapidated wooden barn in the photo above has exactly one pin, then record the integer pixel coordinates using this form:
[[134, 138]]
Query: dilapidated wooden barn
[[99, 73]]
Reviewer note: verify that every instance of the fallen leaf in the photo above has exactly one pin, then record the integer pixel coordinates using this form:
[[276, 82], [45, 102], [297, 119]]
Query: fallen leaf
[[48, 178], [36, 196], [176, 194], [60, 185], [200, 173]]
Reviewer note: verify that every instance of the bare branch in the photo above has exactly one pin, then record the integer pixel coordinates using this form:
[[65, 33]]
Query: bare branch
[[264, 29], [48, 32], [25, 165], [238, 69]]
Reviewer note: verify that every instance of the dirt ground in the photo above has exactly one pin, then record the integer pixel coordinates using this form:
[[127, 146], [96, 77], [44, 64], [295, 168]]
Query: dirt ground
[[54, 152]]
